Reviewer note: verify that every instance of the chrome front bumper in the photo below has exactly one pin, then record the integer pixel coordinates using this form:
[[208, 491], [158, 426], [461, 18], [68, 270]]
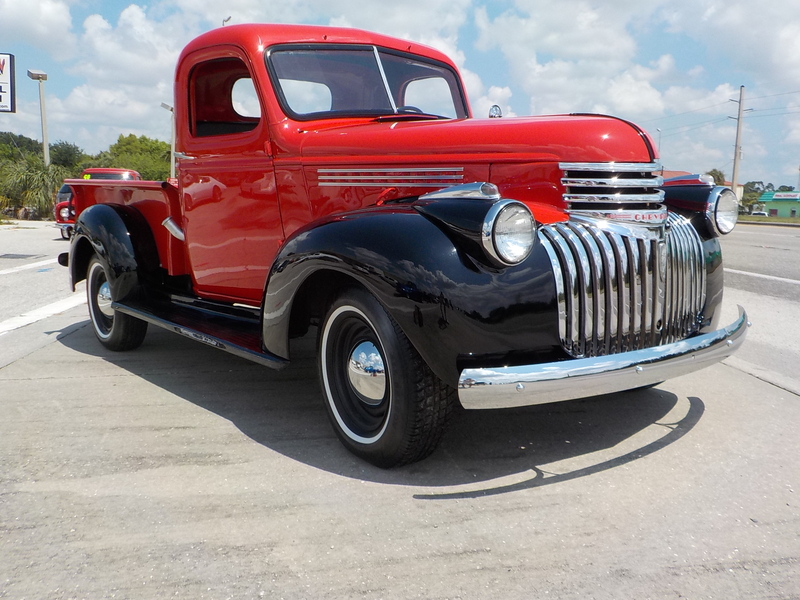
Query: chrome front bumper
[[526, 385]]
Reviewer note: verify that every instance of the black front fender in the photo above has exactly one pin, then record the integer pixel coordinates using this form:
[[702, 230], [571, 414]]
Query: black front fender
[[450, 305], [122, 240]]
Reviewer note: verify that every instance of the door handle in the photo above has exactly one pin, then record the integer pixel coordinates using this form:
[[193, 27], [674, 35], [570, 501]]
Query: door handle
[[183, 156]]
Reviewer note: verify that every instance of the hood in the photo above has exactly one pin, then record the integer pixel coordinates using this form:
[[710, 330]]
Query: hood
[[565, 138]]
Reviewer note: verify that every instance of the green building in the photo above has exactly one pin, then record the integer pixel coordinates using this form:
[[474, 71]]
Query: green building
[[781, 204]]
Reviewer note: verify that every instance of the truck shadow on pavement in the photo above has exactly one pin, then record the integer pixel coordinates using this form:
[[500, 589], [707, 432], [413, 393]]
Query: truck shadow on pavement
[[482, 453]]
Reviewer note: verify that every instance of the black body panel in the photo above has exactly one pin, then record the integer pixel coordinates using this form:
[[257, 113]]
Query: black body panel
[[451, 305], [122, 239]]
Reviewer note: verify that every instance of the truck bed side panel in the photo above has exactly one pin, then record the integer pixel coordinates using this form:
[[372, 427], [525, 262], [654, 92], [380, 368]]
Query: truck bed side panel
[[155, 200]]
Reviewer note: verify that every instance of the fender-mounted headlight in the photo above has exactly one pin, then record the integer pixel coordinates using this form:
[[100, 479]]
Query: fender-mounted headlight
[[64, 213], [722, 210], [508, 232]]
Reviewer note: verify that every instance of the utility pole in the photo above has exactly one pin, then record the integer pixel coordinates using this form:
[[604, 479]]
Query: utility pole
[[737, 155]]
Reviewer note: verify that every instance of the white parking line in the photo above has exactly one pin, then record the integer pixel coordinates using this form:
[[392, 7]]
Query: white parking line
[[42, 313], [760, 276], [36, 265]]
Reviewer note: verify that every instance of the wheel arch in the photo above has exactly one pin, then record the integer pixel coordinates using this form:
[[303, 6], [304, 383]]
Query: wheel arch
[[121, 238], [445, 304], [309, 305]]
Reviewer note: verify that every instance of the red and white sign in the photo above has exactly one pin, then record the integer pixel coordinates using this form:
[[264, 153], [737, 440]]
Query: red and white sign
[[7, 92]]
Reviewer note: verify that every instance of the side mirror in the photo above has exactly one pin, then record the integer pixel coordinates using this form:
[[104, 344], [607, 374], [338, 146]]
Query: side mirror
[[495, 112]]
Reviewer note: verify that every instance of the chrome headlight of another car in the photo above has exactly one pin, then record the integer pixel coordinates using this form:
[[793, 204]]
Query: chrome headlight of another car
[[64, 213], [722, 210], [508, 232]]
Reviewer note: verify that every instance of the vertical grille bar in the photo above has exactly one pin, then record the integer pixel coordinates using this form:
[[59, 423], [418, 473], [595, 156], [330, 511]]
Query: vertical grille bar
[[618, 293]]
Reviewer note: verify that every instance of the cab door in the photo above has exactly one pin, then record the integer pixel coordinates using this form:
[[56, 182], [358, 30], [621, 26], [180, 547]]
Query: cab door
[[231, 218]]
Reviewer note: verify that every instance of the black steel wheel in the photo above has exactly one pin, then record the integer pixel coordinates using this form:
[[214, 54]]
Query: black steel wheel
[[116, 331], [384, 402]]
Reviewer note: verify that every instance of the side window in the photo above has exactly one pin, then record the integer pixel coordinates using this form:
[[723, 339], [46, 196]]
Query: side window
[[223, 100]]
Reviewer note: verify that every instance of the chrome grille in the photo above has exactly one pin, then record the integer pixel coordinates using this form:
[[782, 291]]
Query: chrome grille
[[626, 192], [619, 292]]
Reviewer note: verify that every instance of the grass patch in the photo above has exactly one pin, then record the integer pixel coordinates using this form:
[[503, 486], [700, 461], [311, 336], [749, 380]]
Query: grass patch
[[773, 220]]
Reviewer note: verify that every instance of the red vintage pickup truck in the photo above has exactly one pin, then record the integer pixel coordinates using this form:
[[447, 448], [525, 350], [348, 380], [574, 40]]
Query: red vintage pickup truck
[[336, 178]]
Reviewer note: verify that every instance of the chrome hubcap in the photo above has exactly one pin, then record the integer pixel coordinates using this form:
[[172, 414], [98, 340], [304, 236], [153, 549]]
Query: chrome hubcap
[[366, 373], [104, 300]]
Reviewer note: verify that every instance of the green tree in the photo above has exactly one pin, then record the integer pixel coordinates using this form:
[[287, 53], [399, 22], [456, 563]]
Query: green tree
[[147, 156], [752, 191], [20, 143], [15, 147], [28, 183], [719, 176], [66, 155]]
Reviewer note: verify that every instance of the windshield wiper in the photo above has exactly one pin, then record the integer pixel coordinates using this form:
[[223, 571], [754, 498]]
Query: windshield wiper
[[409, 116]]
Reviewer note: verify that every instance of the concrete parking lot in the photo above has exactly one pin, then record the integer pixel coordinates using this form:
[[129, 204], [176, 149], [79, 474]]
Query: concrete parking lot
[[179, 471]]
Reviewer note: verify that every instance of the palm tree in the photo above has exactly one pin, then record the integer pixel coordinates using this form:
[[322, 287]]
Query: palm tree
[[28, 183]]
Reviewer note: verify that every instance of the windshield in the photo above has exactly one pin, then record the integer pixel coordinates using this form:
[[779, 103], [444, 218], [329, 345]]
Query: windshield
[[324, 82]]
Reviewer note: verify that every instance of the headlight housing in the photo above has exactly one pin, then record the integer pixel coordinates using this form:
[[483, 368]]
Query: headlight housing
[[508, 232], [722, 210], [64, 213]]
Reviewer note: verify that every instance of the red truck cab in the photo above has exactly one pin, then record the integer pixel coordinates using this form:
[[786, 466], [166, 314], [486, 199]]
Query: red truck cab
[[336, 178]]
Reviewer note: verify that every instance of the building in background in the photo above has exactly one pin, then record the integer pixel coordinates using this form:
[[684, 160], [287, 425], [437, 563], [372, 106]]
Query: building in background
[[779, 204]]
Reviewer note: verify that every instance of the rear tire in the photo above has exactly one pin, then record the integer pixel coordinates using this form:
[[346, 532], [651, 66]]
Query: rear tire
[[115, 330], [384, 402]]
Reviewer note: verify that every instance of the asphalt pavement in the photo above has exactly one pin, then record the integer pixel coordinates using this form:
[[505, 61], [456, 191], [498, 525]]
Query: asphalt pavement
[[177, 470]]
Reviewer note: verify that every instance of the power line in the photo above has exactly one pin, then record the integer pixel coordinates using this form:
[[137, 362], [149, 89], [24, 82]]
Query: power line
[[692, 126], [775, 95], [686, 112], [780, 114]]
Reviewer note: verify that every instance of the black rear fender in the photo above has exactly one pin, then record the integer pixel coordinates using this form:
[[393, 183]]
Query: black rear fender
[[122, 240]]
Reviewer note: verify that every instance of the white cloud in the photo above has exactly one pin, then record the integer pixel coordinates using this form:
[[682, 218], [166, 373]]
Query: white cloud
[[495, 95], [762, 38], [43, 23], [634, 95], [135, 51], [547, 56]]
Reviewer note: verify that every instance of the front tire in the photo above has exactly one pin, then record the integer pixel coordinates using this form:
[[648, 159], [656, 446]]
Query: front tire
[[116, 331], [384, 402]]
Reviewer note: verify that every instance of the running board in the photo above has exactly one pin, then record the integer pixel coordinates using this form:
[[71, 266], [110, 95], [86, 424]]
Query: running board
[[231, 335]]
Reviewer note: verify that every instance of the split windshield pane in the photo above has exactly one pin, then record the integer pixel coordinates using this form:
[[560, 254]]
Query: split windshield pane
[[327, 82]]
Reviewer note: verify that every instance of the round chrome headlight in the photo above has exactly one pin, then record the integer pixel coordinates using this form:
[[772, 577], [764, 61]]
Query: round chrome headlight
[[508, 232], [64, 213], [723, 209]]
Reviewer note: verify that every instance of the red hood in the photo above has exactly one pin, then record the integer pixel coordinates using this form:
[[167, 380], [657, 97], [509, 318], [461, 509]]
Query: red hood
[[520, 139]]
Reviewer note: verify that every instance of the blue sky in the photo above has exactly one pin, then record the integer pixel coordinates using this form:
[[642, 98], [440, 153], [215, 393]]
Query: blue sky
[[672, 66]]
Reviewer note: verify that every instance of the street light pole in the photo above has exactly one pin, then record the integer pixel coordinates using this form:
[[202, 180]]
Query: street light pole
[[41, 77]]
